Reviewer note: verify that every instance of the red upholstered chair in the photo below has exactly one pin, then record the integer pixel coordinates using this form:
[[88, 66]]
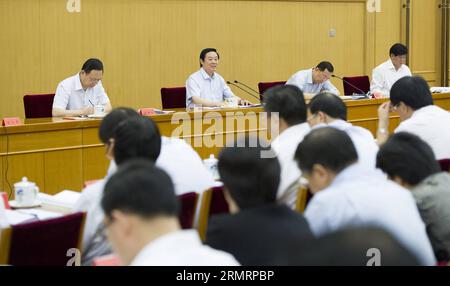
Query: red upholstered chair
[[38, 105], [42, 243], [361, 82], [174, 97], [213, 202], [445, 164], [263, 86], [188, 203]]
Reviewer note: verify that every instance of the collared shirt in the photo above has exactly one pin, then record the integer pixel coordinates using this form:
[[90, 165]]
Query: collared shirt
[[385, 75], [177, 158], [303, 79], [432, 124], [360, 197], [213, 88], [285, 146], [181, 248], [70, 94], [433, 200], [363, 140]]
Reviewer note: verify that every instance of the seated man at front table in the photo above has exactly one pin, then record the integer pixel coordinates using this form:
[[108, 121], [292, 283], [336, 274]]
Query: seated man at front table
[[206, 87], [79, 94], [315, 80], [386, 74]]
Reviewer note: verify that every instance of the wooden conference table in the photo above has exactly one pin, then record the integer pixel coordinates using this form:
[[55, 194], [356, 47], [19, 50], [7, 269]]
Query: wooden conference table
[[60, 154]]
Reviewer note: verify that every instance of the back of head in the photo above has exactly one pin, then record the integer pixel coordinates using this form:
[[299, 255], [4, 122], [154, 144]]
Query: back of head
[[141, 189], [92, 64], [329, 147], [112, 120], [250, 176], [408, 157], [412, 91], [330, 104], [137, 137], [322, 66], [288, 101], [357, 247], [398, 49]]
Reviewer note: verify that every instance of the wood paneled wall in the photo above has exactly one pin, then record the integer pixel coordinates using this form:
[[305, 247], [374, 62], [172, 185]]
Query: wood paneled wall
[[148, 44]]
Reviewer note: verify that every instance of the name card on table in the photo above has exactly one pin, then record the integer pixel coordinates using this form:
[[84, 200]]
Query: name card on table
[[11, 121], [146, 111], [4, 198]]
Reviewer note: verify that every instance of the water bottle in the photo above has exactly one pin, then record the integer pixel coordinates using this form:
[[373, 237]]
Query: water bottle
[[211, 165]]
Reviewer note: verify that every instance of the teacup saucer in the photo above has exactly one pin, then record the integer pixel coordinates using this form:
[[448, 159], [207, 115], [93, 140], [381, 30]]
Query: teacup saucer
[[14, 205]]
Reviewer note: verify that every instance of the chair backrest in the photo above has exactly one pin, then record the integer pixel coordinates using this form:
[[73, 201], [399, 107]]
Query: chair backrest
[[361, 82], [263, 86], [38, 105], [188, 203], [42, 243], [213, 202], [445, 164], [174, 97], [302, 199]]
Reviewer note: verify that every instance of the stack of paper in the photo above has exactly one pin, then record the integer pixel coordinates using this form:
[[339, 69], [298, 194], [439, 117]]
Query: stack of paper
[[65, 199]]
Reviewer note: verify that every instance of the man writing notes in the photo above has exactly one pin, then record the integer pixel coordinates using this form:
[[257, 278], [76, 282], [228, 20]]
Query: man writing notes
[[78, 94], [385, 75], [206, 87], [315, 80]]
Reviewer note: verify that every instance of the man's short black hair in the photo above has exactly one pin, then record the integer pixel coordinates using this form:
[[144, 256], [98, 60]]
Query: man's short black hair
[[288, 101], [398, 50], [112, 120], [92, 64], [412, 91], [142, 189], [205, 51], [327, 146], [322, 66], [330, 104], [136, 137], [408, 157], [250, 176]]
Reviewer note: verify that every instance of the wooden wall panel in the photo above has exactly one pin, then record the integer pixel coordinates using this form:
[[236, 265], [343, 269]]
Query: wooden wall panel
[[148, 44], [63, 171]]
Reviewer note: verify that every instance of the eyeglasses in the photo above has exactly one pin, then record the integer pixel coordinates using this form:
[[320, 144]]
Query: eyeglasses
[[395, 107]]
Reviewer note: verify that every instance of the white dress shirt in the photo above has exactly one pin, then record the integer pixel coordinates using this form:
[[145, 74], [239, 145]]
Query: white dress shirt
[[213, 88], [303, 79], [384, 76], [70, 94], [360, 197], [182, 248], [362, 138], [285, 146], [432, 124]]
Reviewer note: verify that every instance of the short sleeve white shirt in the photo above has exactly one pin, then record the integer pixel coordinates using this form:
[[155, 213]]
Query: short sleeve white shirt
[[70, 94], [303, 79], [385, 75]]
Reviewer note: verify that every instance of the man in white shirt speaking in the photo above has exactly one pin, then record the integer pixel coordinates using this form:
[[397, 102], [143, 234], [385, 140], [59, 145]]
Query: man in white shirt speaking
[[79, 94], [386, 74], [141, 219], [315, 80], [347, 195], [411, 99], [206, 87]]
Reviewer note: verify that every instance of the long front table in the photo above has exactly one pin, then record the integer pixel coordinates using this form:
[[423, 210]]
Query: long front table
[[62, 154]]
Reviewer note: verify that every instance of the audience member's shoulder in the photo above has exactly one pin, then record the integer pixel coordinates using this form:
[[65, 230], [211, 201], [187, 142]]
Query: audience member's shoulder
[[90, 195]]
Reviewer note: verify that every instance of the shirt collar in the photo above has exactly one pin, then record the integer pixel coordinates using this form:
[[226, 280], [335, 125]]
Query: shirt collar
[[350, 173], [168, 242], [338, 124], [205, 75], [78, 85]]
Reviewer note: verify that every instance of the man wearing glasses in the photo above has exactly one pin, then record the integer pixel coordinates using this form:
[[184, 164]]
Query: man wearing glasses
[[386, 74], [78, 94], [315, 80]]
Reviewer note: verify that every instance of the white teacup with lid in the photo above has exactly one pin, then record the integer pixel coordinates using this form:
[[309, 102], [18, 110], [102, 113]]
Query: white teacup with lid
[[25, 192]]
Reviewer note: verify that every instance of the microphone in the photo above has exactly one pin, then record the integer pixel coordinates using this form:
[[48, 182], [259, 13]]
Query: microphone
[[366, 95], [247, 92], [241, 83]]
